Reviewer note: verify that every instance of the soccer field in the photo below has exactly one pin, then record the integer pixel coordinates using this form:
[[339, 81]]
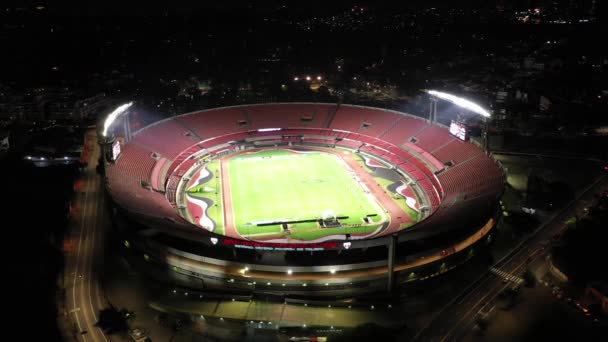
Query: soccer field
[[280, 185]]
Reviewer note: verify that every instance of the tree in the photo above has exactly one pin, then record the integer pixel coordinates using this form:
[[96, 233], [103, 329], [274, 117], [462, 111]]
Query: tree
[[482, 323], [529, 278], [112, 320]]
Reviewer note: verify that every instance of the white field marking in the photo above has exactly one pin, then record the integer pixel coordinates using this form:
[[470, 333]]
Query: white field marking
[[369, 160], [202, 173], [203, 221], [366, 192], [355, 179], [410, 201]]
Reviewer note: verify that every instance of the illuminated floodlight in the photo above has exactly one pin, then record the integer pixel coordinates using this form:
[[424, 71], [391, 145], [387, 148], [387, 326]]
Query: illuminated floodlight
[[289, 272], [332, 271], [268, 129], [296, 78], [319, 78], [110, 119], [308, 78], [459, 101]]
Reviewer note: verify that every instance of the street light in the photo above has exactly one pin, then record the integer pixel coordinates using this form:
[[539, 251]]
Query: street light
[[113, 116]]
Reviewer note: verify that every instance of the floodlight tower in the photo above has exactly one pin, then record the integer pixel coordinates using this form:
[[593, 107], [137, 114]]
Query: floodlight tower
[[112, 117], [462, 103], [105, 138], [433, 110]]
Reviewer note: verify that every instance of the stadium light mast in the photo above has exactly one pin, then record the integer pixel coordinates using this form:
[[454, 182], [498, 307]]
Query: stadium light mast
[[113, 116], [462, 103]]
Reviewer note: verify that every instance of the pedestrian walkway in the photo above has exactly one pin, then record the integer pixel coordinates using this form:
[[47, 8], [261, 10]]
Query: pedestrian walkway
[[282, 314], [506, 276]]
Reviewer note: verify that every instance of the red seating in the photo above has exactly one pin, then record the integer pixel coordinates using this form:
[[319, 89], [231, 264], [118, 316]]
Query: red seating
[[349, 144], [288, 115], [319, 141], [364, 120], [129, 193], [155, 180], [403, 130], [209, 124], [175, 177], [167, 138], [432, 138], [456, 151], [473, 178], [430, 192], [136, 162]]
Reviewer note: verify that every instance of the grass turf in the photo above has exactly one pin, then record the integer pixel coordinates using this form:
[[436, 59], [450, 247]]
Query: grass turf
[[281, 185]]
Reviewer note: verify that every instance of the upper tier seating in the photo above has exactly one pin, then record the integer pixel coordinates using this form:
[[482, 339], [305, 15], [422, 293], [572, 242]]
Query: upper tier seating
[[457, 151], [364, 121], [136, 162], [129, 193], [473, 178], [167, 138], [403, 130], [209, 124], [432, 137], [289, 115]]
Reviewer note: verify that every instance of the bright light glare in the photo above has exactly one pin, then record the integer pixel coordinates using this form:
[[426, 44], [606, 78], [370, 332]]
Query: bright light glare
[[268, 129], [459, 101], [110, 119]]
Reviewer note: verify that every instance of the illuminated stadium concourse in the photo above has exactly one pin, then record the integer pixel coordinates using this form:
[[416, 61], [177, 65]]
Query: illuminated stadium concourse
[[298, 198]]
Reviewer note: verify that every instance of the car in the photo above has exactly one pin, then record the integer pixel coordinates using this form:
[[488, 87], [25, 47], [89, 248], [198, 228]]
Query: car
[[138, 335]]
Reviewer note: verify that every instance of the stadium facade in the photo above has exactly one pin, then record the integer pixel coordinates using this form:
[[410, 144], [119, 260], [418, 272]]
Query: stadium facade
[[456, 184]]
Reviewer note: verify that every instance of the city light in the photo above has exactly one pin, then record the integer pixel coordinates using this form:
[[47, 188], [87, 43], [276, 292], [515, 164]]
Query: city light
[[459, 101], [110, 119]]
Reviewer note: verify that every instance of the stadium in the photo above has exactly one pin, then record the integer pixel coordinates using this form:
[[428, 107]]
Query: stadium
[[298, 199]]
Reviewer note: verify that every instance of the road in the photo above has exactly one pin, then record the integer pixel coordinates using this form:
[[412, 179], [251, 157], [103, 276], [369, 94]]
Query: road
[[84, 296], [455, 319]]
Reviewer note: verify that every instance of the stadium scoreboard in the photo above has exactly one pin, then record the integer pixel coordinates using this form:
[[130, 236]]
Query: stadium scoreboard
[[459, 130]]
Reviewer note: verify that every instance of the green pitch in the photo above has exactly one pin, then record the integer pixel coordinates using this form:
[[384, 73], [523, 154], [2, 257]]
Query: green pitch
[[276, 185]]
